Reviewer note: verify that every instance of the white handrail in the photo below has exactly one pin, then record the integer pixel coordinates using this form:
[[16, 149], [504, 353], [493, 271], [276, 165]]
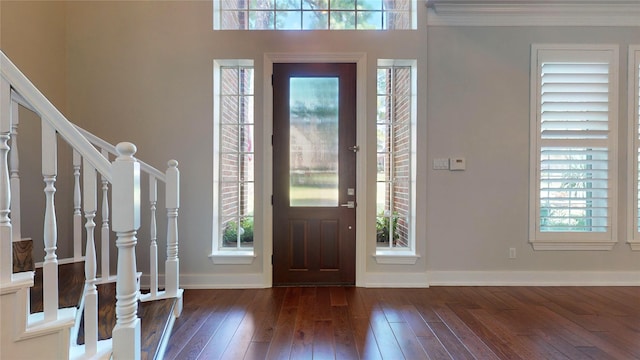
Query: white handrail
[[43, 107], [104, 145]]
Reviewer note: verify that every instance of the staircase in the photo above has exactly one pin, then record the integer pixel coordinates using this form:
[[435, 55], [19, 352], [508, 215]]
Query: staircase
[[107, 316]]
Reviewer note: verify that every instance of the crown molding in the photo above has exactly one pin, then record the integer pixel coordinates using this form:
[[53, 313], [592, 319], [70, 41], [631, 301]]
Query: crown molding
[[533, 13]]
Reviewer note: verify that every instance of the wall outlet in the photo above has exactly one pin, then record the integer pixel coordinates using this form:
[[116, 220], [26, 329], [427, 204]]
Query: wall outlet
[[512, 253]]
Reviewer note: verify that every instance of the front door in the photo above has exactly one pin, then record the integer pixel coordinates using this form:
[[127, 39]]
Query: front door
[[314, 167]]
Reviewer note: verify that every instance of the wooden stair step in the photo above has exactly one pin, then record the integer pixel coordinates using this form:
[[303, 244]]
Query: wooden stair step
[[155, 315], [70, 287], [106, 312], [22, 255]]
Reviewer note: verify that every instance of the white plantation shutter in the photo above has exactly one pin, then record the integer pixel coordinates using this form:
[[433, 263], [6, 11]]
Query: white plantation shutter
[[637, 119], [634, 148], [575, 129]]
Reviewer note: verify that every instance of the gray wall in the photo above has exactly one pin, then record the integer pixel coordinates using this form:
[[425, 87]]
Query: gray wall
[[33, 36], [142, 72]]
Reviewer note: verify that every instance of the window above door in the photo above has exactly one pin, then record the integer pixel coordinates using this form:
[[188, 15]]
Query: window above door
[[314, 14]]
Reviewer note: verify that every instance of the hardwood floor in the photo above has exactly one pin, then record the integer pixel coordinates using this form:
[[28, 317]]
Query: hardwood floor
[[435, 323]]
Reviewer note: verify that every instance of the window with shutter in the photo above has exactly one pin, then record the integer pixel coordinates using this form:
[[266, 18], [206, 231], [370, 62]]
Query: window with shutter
[[574, 115], [634, 147]]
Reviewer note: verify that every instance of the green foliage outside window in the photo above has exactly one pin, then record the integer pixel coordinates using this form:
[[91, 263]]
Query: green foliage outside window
[[382, 228], [230, 234]]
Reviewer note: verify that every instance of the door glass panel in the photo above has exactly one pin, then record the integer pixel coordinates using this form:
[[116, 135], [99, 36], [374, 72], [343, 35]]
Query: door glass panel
[[313, 141]]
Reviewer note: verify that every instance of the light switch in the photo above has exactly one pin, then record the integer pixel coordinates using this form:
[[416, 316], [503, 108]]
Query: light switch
[[440, 164], [457, 163]]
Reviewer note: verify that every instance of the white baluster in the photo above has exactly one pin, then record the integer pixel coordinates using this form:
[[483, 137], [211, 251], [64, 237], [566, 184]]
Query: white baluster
[[172, 264], [77, 201], [105, 233], [6, 248], [50, 266], [153, 231], [14, 163], [89, 183], [126, 222]]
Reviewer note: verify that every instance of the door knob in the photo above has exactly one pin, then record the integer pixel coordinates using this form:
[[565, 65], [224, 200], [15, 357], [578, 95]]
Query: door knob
[[349, 204]]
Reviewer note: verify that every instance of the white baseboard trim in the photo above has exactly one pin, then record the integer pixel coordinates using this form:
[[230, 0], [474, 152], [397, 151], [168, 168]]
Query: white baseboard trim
[[534, 278], [431, 278], [221, 281], [396, 280]]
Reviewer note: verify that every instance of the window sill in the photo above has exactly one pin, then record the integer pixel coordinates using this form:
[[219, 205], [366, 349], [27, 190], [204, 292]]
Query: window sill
[[573, 245], [233, 257], [391, 257]]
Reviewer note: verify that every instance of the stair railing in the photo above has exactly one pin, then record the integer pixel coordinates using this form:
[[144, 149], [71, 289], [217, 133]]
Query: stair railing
[[91, 156], [171, 180]]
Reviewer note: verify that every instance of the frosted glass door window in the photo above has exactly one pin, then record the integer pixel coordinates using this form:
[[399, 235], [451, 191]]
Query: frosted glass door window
[[313, 136]]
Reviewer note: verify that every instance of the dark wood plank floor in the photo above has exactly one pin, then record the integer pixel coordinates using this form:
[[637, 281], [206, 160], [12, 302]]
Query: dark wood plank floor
[[435, 323]]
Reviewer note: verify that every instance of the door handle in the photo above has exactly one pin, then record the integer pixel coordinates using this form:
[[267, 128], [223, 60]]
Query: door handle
[[349, 204]]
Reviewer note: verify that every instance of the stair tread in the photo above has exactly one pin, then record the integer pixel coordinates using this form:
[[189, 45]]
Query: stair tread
[[70, 286], [154, 315]]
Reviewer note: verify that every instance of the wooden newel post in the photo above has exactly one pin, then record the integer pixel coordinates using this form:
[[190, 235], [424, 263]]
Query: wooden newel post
[[172, 264], [126, 222]]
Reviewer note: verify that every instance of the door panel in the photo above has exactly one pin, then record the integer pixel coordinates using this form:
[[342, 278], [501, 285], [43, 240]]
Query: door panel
[[314, 173]]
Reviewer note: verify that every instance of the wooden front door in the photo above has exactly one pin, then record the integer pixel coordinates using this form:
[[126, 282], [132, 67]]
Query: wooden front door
[[314, 173]]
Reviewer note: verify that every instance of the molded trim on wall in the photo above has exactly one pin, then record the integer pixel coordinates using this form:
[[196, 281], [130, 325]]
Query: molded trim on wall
[[395, 280], [213, 281], [432, 278], [583, 13], [534, 278]]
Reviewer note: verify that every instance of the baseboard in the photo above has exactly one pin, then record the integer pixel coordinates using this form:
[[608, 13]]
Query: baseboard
[[534, 278], [212, 281], [396, 280], [431, 278]]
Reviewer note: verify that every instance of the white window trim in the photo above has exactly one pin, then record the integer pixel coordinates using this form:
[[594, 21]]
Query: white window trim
[[633, 236], [405, 256], [568, 241], [218, 254]]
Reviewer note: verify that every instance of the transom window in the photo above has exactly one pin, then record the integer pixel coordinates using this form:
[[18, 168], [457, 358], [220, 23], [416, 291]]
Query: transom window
[[314, 14]]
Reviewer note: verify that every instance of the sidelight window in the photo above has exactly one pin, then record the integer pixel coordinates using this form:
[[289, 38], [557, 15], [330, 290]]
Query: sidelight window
[[234, 155], [395, 150]]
